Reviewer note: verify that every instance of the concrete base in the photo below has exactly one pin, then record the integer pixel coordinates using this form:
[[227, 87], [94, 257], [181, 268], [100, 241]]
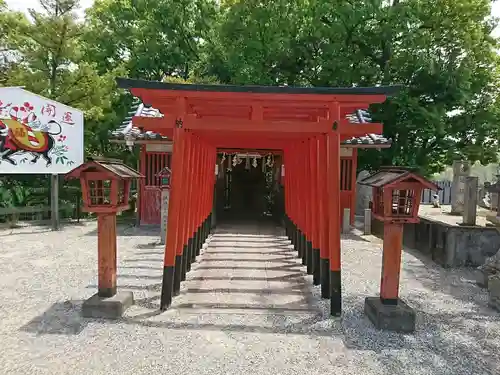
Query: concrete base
[[107, 308], [399, 318]]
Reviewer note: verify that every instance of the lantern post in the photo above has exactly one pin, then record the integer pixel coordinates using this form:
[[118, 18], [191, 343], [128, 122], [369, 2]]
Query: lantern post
[[396, 200], [106, 191]]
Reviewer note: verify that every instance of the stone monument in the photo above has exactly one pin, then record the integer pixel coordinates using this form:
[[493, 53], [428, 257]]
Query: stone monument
[[363, 194], [165, 175], [165, 195], [470, 201], [493, 190], [489, 277], [461, 170]]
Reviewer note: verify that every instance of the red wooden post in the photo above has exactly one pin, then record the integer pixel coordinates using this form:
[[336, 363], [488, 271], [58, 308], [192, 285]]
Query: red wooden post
[[287, 188], [202, 194], [290, 173], [391, 263], [301, 202], [334, 213], [106, 254], [181, 222], [308, 204], [213, 153], [187, 212], [315, 211], [196, 202], [206, 191], [289, 195], [173, 220], [206, 183], [324, 217]]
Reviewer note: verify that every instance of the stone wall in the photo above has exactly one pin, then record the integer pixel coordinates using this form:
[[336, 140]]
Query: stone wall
[[450, 246]]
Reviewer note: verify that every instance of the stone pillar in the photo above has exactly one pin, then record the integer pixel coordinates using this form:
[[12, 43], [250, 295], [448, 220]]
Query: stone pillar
[[494, 291], [165, 195], [461, 169], [346, 220], [368, 221], [470, 201], [493, 201], [363, 194], [490, 269]]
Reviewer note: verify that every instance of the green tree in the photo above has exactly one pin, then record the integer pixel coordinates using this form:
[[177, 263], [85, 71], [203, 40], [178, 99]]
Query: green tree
[[442, 52], [11, 24], [51, 63], [153, 38]]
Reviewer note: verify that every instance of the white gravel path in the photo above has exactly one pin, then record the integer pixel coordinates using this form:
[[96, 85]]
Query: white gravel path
[[247, 308]]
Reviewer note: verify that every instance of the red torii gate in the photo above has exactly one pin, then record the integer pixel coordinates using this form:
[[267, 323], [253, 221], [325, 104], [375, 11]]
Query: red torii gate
[[307, 124]]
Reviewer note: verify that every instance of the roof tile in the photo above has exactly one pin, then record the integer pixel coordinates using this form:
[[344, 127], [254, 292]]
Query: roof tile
[[139, 109]]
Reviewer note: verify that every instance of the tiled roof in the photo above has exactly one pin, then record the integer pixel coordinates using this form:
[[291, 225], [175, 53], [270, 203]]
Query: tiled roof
[[139, 109]]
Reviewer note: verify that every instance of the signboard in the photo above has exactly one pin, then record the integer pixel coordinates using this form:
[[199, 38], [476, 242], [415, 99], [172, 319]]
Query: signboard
[[165, 196], [38, 135]]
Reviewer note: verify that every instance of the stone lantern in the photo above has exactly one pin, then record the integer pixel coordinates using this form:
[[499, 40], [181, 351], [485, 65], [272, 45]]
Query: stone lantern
[[105, 187], [396, 199]]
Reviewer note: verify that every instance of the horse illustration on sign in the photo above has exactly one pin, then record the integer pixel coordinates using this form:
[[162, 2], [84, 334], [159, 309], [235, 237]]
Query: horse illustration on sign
[[33, 127]]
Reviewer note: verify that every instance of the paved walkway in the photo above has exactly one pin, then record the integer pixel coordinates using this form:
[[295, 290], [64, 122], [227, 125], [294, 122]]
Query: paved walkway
[[246, 308]]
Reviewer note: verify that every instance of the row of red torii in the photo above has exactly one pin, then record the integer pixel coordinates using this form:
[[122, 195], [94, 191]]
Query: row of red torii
[[306, 124]]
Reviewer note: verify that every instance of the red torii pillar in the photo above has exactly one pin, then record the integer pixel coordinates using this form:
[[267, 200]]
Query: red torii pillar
[[174, 207], [189, 224], [292, 175], [182, 249], [301, 204], [334, 218], [324, 217], [315, 219], [291, 227], [308, 205]]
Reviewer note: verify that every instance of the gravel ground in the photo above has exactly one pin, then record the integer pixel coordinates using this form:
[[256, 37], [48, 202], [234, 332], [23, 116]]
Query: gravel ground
[[247, 308]]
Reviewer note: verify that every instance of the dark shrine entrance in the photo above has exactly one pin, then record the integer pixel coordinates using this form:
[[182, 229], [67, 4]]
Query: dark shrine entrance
[[305, 125], [246, 187]]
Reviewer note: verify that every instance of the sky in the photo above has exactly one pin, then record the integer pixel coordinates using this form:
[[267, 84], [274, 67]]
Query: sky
[[24, 5]]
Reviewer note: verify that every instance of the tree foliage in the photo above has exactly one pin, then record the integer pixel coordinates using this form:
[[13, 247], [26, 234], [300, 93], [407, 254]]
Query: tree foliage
[[154, 38], [49, 61], [442, 52]]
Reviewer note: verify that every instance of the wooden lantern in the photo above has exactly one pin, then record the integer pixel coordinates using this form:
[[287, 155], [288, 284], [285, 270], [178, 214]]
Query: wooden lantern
[[105, 185], [396, 194], [396, 199], [106, 191]]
